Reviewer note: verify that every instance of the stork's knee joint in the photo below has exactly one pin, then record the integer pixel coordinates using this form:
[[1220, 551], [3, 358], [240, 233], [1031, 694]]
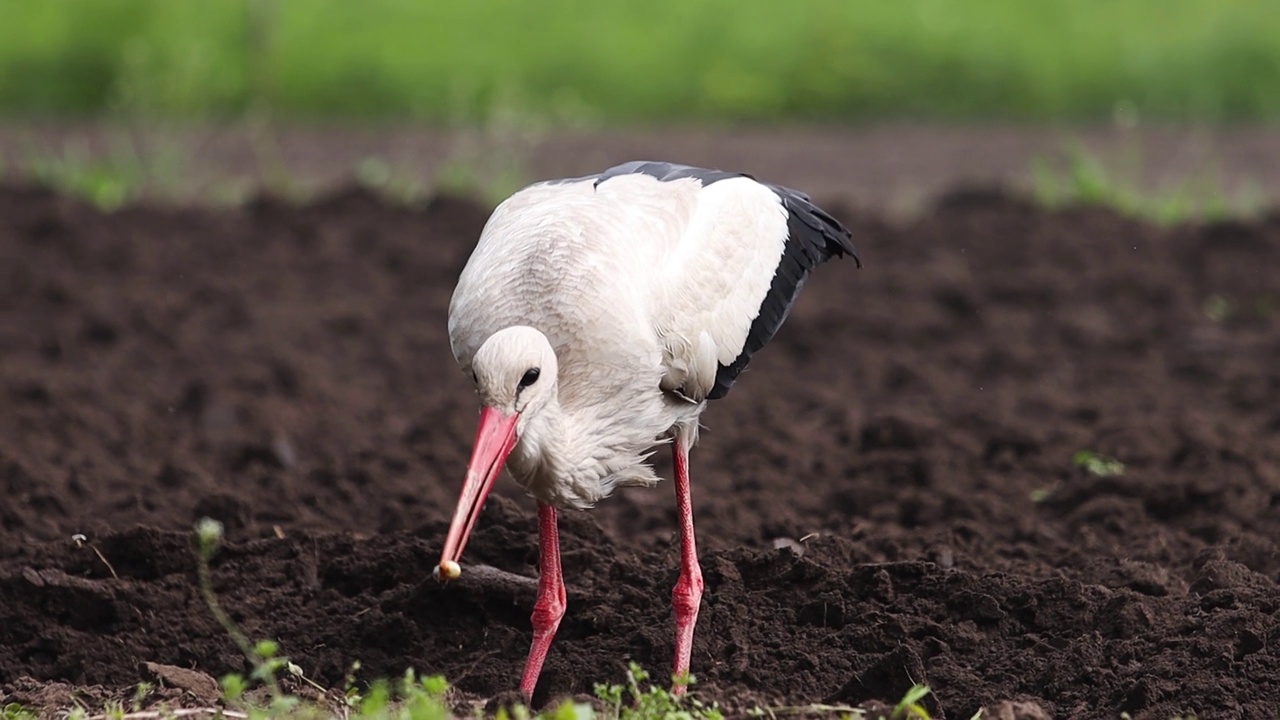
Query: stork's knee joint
[[548, 611], [687, 594]]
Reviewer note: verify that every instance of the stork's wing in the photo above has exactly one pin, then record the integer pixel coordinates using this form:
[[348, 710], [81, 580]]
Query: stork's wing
[[731, 279]]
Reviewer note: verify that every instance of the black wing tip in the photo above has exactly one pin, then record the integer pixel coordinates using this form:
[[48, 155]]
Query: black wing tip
[[837, 239]]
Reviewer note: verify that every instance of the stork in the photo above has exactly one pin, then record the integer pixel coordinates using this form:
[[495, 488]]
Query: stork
[[597, 316]]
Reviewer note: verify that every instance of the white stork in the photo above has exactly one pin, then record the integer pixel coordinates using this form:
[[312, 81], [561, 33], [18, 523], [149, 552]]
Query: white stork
[[597, 316]]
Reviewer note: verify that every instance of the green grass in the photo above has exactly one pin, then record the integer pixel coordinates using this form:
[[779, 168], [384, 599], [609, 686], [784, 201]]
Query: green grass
[[1083, 178], [108, 182], [659, 60]]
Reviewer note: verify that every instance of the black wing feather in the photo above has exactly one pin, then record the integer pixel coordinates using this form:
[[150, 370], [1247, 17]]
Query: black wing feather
[[813, 237]]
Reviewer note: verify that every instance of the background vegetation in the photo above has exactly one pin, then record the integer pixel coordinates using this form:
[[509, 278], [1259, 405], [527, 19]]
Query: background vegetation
[[657, 60]]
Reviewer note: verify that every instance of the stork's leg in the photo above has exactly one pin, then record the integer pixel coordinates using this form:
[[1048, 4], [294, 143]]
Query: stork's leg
[[687, 595], [549, 607]]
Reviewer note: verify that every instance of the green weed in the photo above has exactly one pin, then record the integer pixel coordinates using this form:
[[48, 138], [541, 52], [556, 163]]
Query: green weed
[[1081, 178], [107, 183], [1098, 464], [390, 181], [641, 700], [14, 711], [1218, 308], [909, 707]]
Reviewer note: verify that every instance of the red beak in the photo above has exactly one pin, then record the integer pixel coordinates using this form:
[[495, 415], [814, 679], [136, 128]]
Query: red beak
[[495, 437]]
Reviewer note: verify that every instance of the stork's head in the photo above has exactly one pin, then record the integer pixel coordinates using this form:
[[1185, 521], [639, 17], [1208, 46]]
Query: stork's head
[[515, 373]]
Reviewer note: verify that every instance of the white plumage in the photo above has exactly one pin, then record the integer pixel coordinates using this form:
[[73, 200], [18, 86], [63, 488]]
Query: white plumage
[[630, 298]]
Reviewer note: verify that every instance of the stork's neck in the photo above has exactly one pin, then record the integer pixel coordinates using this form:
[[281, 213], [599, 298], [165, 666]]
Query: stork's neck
[[548, 449], [574, 459], [542, 433]]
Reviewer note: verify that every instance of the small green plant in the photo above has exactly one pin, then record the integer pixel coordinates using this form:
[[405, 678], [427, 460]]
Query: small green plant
[[1043, 493], [910, 707], [410, 698], [139, 695], [1098, 464], [1217, 308], [641, 700], [107, 183], [263, 656], [137, 161], [1081, 178], [14, 711], [391, 182]]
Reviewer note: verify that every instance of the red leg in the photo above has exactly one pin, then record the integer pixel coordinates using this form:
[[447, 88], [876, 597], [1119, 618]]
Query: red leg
[[687, 595], [549, 607]]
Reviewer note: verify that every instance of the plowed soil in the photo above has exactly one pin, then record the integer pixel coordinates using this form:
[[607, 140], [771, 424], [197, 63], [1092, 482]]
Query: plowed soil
[[888, 496]]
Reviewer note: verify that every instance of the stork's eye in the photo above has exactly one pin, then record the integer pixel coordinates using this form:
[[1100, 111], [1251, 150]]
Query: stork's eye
[[530, 377]]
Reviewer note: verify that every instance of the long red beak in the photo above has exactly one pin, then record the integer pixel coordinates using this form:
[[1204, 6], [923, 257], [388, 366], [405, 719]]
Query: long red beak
[[495, 437]]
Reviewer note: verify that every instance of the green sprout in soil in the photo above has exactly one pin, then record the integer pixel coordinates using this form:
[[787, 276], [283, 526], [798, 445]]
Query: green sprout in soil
[[107, 184], [909, 707], [1044, 492], [1098, 464], [14, 711], [1218, 308], [634, 702], [390, 181]]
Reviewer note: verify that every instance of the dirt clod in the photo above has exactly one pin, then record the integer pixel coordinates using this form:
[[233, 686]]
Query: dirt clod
[[1017, 710], [202, 687]]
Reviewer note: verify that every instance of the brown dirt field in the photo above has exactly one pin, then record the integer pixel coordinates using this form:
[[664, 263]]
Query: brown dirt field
[[286, 370]]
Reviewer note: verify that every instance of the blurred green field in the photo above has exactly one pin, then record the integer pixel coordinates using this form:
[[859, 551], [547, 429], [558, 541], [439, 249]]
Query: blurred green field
[[659, 60]]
